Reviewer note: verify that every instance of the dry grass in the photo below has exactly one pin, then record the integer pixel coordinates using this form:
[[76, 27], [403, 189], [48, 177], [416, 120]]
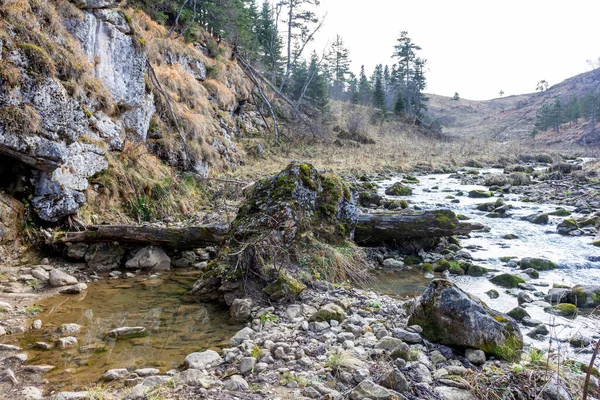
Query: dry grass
[[222, 94], [137, 187]]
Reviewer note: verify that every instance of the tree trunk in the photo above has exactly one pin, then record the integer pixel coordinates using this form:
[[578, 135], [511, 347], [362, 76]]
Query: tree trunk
[[377, 229], [188, 237]]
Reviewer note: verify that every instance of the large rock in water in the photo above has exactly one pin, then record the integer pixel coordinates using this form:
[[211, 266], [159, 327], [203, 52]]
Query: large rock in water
[[453, 317], [283, 223]]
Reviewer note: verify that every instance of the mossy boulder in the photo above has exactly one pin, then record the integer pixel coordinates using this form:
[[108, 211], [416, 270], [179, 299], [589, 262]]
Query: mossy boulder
[[567, 226], [583, 296], [489, 207], [453, 317], [476, 270], [398, 189], [563, 310], [589, 222], [539, 264], [518, 313], [561, 212], [538, 219], [272, 242], [480, 194], [507, 280], [596, 243], [329, 312]]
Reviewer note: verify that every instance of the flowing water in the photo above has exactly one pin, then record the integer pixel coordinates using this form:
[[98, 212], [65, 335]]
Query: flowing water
[[177, 326], [578, 260]]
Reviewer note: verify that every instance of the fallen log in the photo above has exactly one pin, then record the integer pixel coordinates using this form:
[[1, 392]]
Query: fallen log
[[371, 229], [187, 237], [375, 229]]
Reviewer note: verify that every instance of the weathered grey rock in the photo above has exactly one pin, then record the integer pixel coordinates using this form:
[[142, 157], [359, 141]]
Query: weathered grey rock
[[392, 263], [42, 346], [395, 380], [104, 257], [192, 65], [476, 357], [194, 377], [75, 289], [555, 390], [115, 374], [66, 342], [369, 389], [127, 332], [144, 372], [9, 347], [150, 258], [408, 337], [40, 274], [328, 313], [244, 334], [360, 375], [203, 360], [451, 393], [97, 3], [77, 251], [450, 316], [108, 130], [4, 306], [59, 278], [72, 396], [493, 294], [69, 328], [236, 384], [156, 380], [247, 365], [240, 309], [32, 393], [388, 343]]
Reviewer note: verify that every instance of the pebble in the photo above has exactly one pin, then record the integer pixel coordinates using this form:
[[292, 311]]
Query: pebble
[[115, 374], [74, 289], [66, 342]]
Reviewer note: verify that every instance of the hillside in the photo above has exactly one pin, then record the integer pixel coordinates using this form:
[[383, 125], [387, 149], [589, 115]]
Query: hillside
[[513, 117]]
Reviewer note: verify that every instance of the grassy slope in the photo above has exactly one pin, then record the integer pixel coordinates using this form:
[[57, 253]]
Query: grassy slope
[[512, 117]]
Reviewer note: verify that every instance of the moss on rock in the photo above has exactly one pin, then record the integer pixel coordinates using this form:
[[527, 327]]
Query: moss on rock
[[398, 189], [480, 194], [539, 264], [507, 280], [564, 310]]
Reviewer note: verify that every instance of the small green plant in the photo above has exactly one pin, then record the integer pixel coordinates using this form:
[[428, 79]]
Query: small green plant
[[268, 316], [375, 304], [33, 284], [3, 276], [256, 352], [536, 356], [518, 368], [340, 360], [33, 309], [413, 354]]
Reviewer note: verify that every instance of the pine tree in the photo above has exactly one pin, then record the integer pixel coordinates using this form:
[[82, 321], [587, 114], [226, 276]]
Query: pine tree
[[405, 51], [338, 60], [573, 112], [353, 94], [378, 90], [364, 88], [317, 93], [269, 42]]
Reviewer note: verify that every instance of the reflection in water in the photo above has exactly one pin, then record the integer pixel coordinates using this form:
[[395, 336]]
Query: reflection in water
[[176, 327]]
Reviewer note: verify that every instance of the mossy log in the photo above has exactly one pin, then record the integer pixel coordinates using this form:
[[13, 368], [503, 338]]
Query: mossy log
[[188, 237], [374, 229]]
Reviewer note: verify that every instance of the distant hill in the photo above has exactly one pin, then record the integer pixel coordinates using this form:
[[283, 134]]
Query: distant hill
[[513, 117]]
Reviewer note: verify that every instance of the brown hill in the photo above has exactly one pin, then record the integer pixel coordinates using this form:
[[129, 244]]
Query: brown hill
[[513, 117]]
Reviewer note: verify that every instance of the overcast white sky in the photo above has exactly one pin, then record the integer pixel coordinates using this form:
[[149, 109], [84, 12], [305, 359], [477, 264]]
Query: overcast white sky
[[475, 48]]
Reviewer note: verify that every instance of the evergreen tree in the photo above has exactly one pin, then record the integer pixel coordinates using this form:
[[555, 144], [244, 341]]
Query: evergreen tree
[[317, 93], [408, 68], [364, 88], [338, 60], [269, 42], [378, 90], [573, 112], [353, 94]]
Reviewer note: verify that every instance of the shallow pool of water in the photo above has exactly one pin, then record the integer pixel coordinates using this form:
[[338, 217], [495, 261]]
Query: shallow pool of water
[[177, 326]]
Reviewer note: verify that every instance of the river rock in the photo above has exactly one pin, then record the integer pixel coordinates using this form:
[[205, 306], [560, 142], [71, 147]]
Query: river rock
[[115, 374], [538, 219], [247, 365], [244, 334], [507, 280], [104, 257], [395, 380], [392, 263], [59, 278], [150, 258], [240, 309], [67, 342], [453, 317], [40, 274], [74, 289], [77, 251], [476, 357], [203, 360], [194, 377], [9, 347], [450, 393], [555, 389], [127, 332], [493, 294], [32, 393], [567, 226], [156, 380], [328, 313], [369, 389], [144, 372], [236, 384], [4, 306], [539, 264], [69, 328], [518, 313]]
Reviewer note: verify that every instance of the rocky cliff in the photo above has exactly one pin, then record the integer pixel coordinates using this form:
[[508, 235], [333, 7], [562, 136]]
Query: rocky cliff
[[81, 82]]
